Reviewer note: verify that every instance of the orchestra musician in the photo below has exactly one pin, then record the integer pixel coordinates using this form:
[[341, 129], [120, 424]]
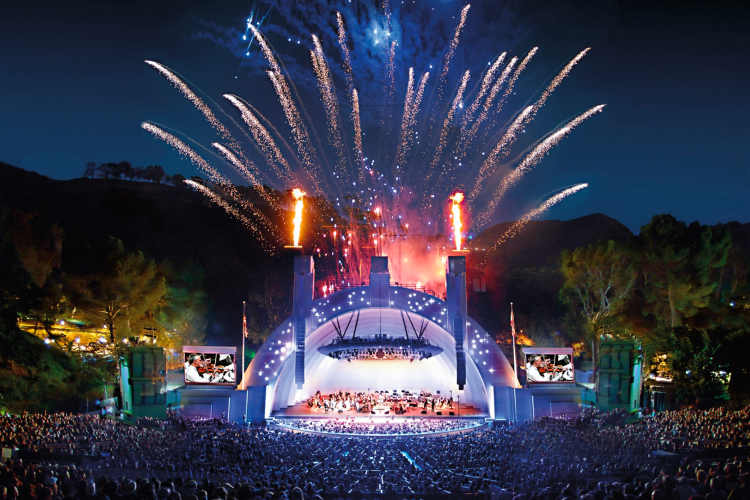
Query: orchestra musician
[[539, 369], [194, 363]]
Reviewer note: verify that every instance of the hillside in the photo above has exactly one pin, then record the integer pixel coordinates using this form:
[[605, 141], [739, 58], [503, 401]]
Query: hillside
[[177, 224], [165, 222]]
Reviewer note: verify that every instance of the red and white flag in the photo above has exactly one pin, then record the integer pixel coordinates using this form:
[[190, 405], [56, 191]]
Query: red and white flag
[[512, 322], [244, 319]]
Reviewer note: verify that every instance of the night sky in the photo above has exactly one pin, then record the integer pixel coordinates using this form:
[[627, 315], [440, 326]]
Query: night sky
[[674, 75]]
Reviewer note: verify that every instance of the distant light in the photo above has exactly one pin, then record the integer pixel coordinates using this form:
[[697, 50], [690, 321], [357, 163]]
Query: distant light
[[102, 340], [731, 304]]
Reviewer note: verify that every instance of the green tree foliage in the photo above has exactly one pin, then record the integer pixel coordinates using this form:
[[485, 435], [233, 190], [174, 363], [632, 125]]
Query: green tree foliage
[[183, 308], [34, 376], [696, 366], [677, 263], [599, 281], [124, 296]]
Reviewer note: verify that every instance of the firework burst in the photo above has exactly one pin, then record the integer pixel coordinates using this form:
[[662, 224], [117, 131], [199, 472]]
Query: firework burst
[[405, 170]]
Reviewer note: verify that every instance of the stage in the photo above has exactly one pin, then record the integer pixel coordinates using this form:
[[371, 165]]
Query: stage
[[303, 410]]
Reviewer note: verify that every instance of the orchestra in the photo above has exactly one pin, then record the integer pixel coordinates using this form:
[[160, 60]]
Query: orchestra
[[398, 403]]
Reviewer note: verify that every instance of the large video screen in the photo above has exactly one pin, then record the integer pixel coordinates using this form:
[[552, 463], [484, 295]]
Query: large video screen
[[549, 366], [210, 365]]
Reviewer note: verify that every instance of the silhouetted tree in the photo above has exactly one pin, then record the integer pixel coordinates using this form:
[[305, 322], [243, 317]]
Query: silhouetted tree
[[90, 170]]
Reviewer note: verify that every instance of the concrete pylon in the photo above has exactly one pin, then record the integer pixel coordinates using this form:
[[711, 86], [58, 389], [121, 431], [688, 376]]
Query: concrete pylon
[[304, 288], [380, 282], [455, 284]]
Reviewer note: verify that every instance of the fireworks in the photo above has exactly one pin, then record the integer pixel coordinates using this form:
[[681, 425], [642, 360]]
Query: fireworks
[[298, 206], [198, 103], [559, 78], [531, 159], [325, 85], [486, 81], [499, 149], [299, 131], [264, 140], [457, 198], [442, 140], [519, 224], [451, 50], [403, 166]]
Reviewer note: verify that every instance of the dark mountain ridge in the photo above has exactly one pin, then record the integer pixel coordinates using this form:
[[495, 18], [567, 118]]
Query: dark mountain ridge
[[174, 223]]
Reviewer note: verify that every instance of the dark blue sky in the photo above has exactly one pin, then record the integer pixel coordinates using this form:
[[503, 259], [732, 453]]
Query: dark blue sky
[[674, 76]]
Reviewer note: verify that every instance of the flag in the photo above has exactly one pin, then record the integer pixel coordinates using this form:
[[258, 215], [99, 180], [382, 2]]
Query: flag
[[512, 322], [244, 319]]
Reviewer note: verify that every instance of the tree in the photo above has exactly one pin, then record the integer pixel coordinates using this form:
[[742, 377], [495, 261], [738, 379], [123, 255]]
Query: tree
[[124, 296], [90, 170], [599, 281], [125, 169], [177, 180], [184, 307], [677, 262], [268, 306], [154, 173], [105, 170], [695, 364]]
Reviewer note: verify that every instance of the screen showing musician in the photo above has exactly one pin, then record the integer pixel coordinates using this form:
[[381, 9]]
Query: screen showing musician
[[209, 368], [549, 368]]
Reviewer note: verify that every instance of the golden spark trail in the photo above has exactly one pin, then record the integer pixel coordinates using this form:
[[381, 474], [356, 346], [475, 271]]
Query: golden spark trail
[[559, 78], [353, 98], [451, 50], [533, 158], [488, 103], [519, 224], [184, 150], [468, 137], [391, 72], [358, 137], [299, 131], [486, 81], [442, 140], [204, 166], [457, 198], [330, 104], [411, 110], [517, 73], [405, 120], [500, 149], [264, 140], [298, 206], [202, 107], [246, 173], [231, 211]]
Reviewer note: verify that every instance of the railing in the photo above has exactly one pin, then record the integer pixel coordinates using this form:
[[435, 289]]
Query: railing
[[346, 286]]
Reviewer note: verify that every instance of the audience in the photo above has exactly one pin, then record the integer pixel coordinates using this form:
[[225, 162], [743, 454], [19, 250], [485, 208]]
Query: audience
[[592, 456]]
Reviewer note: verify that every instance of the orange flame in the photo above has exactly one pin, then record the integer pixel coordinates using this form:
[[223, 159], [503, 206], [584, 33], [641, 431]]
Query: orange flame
[[298, 194], [456, 209]]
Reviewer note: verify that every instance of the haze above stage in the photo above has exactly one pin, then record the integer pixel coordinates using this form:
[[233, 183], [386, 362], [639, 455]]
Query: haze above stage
[[294, 363]]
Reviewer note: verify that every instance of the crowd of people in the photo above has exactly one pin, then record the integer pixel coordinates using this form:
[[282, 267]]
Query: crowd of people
[[383, 427], [398, 403], [579, 458]]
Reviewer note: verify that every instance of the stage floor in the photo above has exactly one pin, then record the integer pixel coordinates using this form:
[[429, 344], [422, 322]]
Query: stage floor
[[303, 410]]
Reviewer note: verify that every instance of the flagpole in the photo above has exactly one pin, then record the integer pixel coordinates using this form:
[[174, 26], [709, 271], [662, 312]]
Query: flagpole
[[515, 365], [244, 336]]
